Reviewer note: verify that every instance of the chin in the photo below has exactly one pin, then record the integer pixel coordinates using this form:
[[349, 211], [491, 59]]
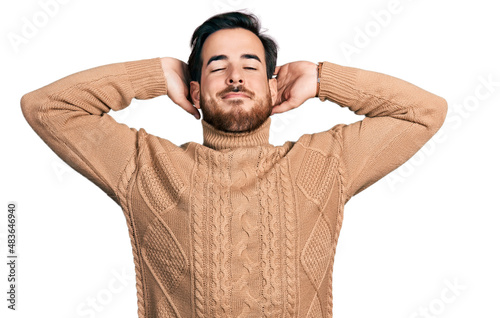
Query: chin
[[236, 115]]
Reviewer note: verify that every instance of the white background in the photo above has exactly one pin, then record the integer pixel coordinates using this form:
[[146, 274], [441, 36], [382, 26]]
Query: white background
[[430, 224]]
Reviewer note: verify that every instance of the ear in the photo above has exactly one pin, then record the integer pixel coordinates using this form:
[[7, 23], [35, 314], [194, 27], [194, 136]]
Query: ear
[[194, 90], [273, 88]]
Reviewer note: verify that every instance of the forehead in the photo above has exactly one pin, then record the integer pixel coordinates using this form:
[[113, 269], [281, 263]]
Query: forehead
[[233, 43]]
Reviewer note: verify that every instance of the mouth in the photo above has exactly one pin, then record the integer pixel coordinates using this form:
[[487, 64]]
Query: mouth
[[235, 95]]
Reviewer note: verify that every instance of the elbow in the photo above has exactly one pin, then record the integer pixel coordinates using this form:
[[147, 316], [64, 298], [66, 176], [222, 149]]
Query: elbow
[[29, 108], [441, 110], [437, 114], [26, 106], [25, 102]]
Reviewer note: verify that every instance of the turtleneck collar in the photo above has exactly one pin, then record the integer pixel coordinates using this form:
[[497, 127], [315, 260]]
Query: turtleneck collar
[[217, 139]]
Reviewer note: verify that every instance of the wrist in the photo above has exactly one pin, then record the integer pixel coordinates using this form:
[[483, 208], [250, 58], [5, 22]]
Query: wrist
[[318, 77]]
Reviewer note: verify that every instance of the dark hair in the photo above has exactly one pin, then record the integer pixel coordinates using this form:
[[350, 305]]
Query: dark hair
[[229, 20]]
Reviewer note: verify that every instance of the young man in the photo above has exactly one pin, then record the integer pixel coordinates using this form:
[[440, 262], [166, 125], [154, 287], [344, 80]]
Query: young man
[[235, 227]]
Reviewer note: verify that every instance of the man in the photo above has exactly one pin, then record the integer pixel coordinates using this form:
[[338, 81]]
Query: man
[[235, 227]]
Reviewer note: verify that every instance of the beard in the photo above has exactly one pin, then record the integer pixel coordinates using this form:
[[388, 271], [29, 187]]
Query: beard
[[236, 119]]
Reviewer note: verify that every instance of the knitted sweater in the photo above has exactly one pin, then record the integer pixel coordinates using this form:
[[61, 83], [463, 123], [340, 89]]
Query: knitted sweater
[[235, 227]]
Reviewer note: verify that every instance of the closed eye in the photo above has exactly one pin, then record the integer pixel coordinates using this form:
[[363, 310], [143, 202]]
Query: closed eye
[[246, 68]]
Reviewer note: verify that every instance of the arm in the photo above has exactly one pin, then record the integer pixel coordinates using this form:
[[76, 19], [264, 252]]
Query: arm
[[400, 119], [71, 115]]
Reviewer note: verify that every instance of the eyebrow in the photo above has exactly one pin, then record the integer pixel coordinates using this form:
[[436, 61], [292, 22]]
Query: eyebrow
[[224, 57]]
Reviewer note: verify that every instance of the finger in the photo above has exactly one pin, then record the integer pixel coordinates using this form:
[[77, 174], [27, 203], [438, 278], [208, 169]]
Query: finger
[[192, 110], [283, 95], [281, 108], [187, 106], [276, 70]]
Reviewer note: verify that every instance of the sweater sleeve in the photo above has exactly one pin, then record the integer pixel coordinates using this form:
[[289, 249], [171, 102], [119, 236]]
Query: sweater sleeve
[[71, 116], [399, 119]]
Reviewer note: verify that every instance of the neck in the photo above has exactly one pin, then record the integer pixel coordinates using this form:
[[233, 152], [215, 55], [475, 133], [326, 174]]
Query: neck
[[217, 139]]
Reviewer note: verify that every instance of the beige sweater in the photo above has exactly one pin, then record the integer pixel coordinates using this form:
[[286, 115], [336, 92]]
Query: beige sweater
[[235, 227]]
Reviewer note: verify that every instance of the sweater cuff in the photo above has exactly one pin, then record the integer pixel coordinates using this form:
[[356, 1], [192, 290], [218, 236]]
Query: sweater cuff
[[147, 78], [337, 84]]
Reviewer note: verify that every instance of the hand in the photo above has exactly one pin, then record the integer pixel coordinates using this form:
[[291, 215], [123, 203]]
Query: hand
[[177, 76], [297, 82]]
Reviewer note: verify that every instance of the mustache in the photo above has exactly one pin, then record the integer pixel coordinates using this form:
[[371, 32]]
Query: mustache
[[235, 89]]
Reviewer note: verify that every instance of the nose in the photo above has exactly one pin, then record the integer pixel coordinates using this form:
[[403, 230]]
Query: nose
[[234, 77]]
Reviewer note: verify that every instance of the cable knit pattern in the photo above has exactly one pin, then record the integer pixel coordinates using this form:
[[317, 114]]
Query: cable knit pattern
[[122, 195], [161, 250], [290, 245], [317, 252], [316, 176], [246, 231], [315, 309], [233, 227], [199, 224], [160, 184], [220, 236], [166, 310], [269, 232]]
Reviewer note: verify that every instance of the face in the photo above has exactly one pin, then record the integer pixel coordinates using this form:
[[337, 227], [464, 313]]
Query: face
[[234, 92]]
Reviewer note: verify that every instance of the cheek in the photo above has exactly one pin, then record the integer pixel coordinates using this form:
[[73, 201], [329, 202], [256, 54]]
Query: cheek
[[212, 88], [259, 83], [261, 88]]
